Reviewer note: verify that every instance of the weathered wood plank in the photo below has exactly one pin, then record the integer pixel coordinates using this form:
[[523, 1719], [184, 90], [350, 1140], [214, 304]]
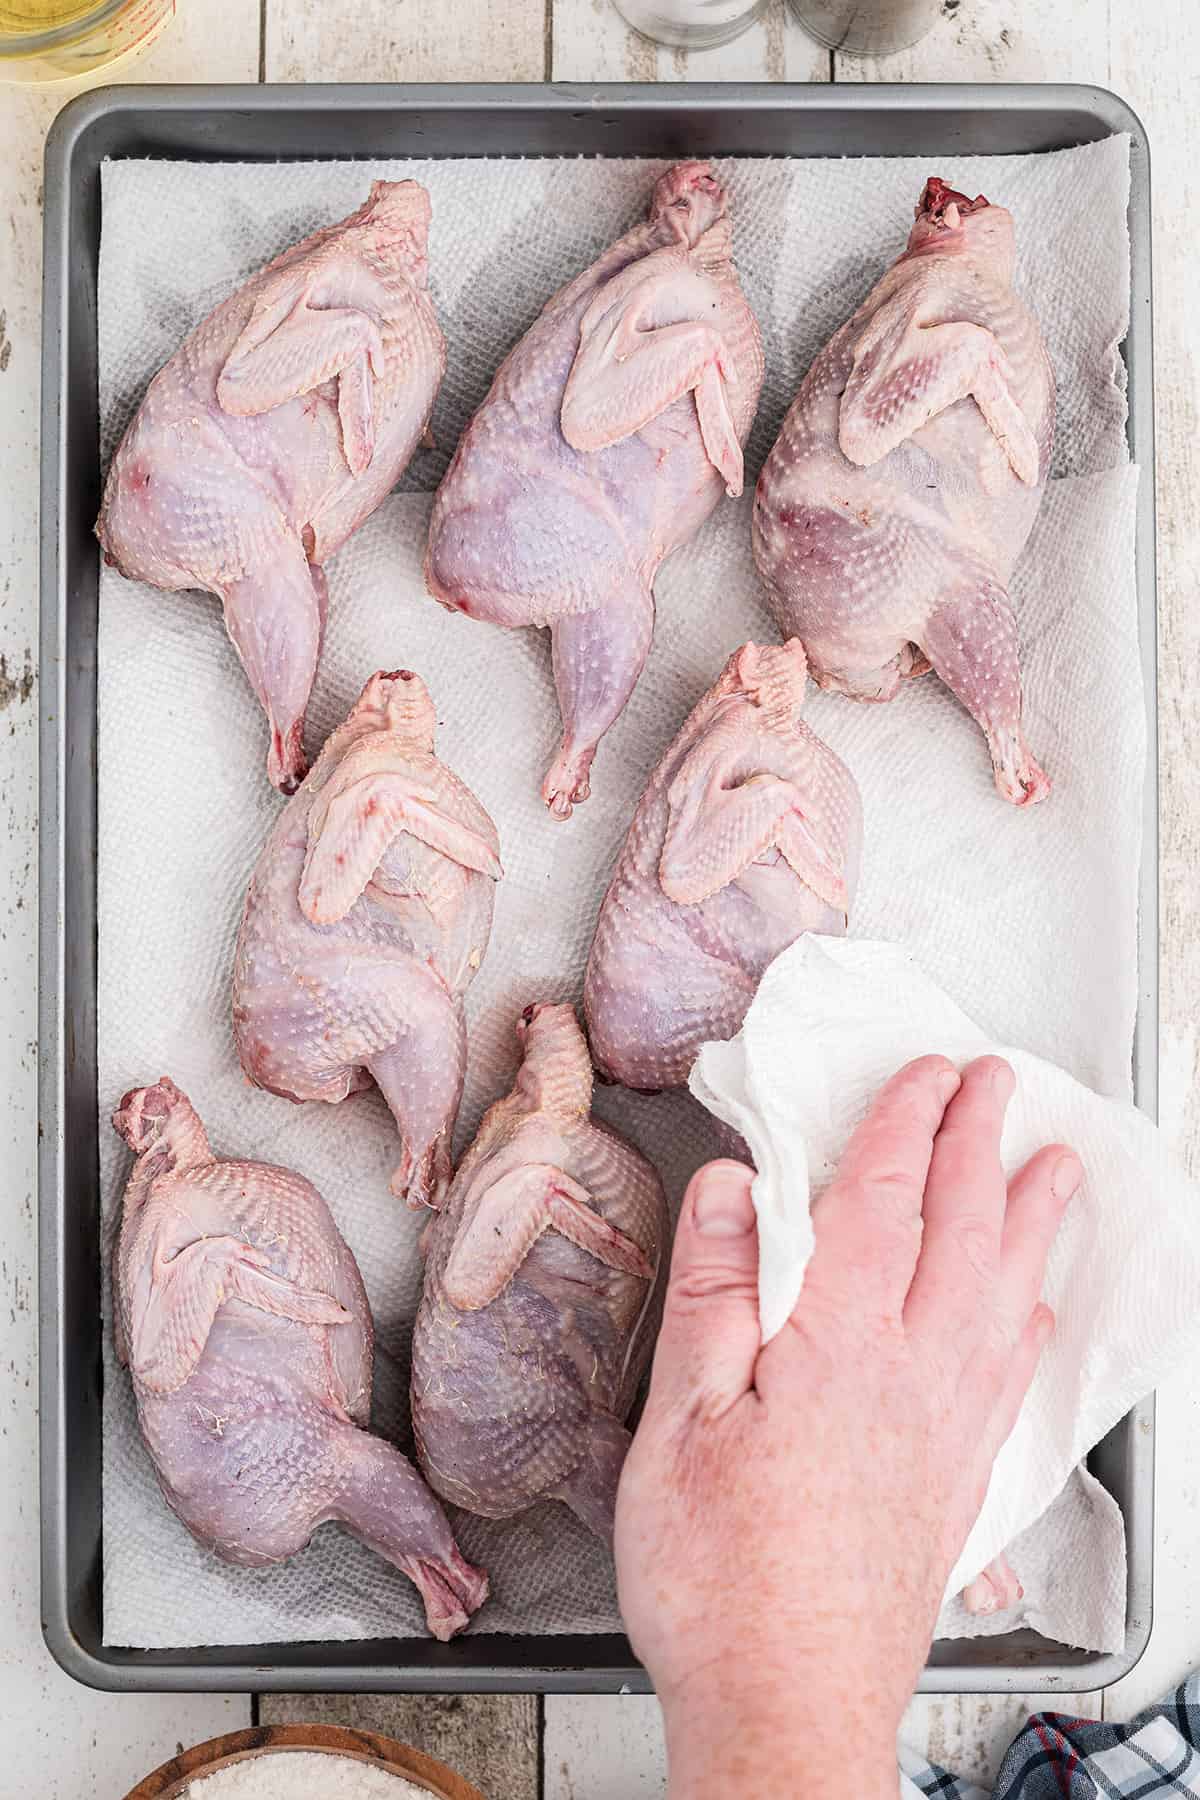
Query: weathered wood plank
[[378, 40], [997, 40], [969, 1733], [489, 1739], [597, 1747], [590, 42]]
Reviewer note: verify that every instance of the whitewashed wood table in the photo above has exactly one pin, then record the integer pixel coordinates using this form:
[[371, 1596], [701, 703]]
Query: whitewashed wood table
[[57, 1739]]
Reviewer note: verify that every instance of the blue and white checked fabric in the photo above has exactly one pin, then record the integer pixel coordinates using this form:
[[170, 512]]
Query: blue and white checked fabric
[[1057, 1757]]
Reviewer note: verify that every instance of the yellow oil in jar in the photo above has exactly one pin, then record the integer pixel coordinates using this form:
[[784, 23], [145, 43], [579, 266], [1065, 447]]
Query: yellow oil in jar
[[42, 15], [53, 40]]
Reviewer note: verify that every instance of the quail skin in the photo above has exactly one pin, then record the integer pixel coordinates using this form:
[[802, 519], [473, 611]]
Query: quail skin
[[277, 427], [747, 835], [906, 479], [540, 1302], [242, 1318], [367, 916], [609, 435]]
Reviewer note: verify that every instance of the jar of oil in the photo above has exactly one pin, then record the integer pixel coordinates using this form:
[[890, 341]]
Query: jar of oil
[[53, 40]]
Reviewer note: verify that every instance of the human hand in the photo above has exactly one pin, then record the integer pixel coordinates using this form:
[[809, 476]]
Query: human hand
[[789, 1514]]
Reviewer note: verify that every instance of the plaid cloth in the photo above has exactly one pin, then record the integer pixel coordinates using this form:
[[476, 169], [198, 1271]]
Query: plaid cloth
[[1057, 1757]]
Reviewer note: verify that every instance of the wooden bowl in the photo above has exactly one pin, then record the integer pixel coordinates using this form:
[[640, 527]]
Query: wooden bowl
[[173, 1777]]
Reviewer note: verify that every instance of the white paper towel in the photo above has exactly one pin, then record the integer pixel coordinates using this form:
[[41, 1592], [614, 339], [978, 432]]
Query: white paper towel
[[181, 735], [811, 238], [831, 1021]]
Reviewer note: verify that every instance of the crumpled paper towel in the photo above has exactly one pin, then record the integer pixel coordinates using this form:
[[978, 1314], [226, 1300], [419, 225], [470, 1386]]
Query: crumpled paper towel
[[181, 743], [831, 1021]]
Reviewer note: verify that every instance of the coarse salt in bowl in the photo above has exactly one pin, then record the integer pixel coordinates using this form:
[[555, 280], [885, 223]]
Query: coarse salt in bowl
[[303, 1762], [302, 1775]]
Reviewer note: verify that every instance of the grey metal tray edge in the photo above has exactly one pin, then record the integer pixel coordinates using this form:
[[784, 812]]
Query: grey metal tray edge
[[269, 123]]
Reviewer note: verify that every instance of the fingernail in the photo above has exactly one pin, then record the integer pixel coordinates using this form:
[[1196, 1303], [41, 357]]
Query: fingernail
[[721, 1203], [949, 1082], [1003, 1081], [1067, 1175]]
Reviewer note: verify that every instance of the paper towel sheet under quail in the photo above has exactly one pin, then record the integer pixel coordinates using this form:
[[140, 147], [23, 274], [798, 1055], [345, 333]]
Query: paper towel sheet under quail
[[1029, 921]]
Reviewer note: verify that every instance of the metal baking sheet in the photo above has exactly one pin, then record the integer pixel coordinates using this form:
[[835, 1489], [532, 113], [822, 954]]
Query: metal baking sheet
[[275, 123]]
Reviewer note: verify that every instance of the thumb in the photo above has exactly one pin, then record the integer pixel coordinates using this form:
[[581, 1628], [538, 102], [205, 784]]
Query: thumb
[[710, 1338]]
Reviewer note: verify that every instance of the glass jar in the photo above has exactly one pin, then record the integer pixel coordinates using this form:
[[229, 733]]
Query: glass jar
[[866, 27], [691, 24], [54, 40]]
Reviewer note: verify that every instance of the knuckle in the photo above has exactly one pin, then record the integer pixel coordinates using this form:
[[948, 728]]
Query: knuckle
[[969, 1178], [883, 1329], [870, 1249], [893, 1193], [841, 1311], [995, 1348], [894, 1246], [964, 1140], [818, 1325], [992, 1358], [975, 1244], [979, 1391], [878, 1188], [912, 1105], [697, 1287]]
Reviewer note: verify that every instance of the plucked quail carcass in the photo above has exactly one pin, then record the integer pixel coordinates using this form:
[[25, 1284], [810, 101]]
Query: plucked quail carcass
[[368, 913], [277, 427], [243, 1320], [906, 479], [996, 1589], [607, 438], [541, 1296], [747, 835]]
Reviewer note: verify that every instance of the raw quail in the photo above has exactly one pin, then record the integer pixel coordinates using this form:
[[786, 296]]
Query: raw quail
[[541, 1296], [997, 1589], [907, 476], [747, 835], [368, 913], [243, 1320], [277, 427], [607, 438]]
